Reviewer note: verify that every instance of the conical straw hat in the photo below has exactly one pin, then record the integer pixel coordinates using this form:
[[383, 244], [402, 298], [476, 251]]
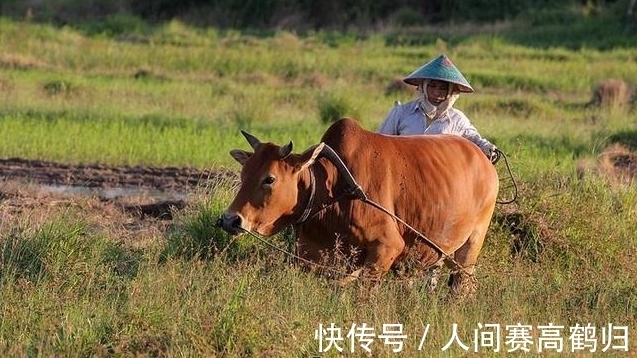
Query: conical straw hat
[[441, 68]]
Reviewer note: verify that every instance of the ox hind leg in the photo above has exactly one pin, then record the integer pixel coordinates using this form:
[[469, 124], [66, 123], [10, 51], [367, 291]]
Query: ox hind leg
[[462, 280]]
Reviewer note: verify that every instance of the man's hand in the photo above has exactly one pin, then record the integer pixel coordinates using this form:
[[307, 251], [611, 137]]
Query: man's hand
[[494, 155]]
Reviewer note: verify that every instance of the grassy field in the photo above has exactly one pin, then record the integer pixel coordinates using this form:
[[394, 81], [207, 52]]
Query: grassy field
[[560, 258]]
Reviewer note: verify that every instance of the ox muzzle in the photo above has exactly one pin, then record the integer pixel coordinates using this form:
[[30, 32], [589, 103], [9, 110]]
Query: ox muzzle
[[232, 223]]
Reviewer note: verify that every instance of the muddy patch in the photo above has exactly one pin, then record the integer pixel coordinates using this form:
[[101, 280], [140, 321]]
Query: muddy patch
[[128, 202]]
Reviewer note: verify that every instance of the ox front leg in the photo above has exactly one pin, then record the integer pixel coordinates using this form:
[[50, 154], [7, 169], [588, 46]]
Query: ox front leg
[[381, 256], [378, 261], [463, 283]]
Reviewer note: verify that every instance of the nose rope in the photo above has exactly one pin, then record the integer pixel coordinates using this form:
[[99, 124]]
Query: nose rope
[[295, 256]]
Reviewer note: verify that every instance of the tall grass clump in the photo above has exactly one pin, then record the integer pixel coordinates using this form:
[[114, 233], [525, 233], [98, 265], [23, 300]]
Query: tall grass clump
[[333, 106], [198, 235], [21, 257]]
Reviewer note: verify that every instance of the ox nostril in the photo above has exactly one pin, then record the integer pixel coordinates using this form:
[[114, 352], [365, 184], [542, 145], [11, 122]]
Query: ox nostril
[[236, 223], [232, 223]]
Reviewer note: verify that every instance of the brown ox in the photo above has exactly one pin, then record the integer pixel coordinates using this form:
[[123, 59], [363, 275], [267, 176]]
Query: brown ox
[[441, 185]]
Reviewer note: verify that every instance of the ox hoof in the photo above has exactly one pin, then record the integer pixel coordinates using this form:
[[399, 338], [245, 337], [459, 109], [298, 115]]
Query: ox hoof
[[463, 286]]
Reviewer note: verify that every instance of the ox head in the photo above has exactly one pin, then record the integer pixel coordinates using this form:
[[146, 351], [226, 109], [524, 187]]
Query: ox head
[[271, 188]]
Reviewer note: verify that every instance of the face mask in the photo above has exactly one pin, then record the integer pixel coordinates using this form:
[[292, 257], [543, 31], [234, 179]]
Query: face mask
[[432, 111]]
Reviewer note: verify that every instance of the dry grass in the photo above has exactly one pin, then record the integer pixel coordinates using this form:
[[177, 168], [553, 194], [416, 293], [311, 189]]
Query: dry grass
[[612, 92], [21, 62], [619, 164]]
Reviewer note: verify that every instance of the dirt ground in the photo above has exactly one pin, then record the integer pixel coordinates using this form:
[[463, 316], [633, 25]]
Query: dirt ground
[[127, 202], [95, 176]]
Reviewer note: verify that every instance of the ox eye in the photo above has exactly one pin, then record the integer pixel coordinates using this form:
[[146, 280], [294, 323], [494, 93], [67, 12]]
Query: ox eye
[[268, 181]]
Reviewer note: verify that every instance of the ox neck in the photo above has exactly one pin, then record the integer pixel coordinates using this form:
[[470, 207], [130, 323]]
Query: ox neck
[[310, 200], [354, 191]]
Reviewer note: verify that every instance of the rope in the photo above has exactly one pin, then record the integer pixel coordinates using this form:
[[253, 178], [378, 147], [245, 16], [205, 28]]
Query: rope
[[295, 256], [359, 193], [515, 186], [310, 201], [442, 252]]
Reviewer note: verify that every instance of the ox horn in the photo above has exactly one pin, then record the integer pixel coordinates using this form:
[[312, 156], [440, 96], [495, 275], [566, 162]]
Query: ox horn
[[286, 150], [254, 141]]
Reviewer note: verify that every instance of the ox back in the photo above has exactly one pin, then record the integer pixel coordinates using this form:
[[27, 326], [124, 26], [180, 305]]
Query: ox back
[[441, 185]]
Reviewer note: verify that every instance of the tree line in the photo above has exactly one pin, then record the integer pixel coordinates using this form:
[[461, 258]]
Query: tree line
[[297, 14]]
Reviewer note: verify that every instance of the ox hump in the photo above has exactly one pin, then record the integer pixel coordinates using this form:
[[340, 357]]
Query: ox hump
[[344, 127]]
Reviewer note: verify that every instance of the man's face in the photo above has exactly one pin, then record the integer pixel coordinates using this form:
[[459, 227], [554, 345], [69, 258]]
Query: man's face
[[437, 91]]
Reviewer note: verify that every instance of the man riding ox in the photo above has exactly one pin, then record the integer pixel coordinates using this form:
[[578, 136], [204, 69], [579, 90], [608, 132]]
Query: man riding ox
[[428, 197]]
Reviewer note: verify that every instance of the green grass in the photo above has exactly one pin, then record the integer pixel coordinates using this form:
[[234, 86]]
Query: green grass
[[69, 292], [200, 80], [177, 96]]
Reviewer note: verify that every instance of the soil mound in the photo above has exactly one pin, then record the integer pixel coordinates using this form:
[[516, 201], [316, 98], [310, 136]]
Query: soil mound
[[617, 163], [612, 92]]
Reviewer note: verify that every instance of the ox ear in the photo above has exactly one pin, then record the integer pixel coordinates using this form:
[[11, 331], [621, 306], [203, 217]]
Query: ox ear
[[254, 141], [240, 156], [308, 157]]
